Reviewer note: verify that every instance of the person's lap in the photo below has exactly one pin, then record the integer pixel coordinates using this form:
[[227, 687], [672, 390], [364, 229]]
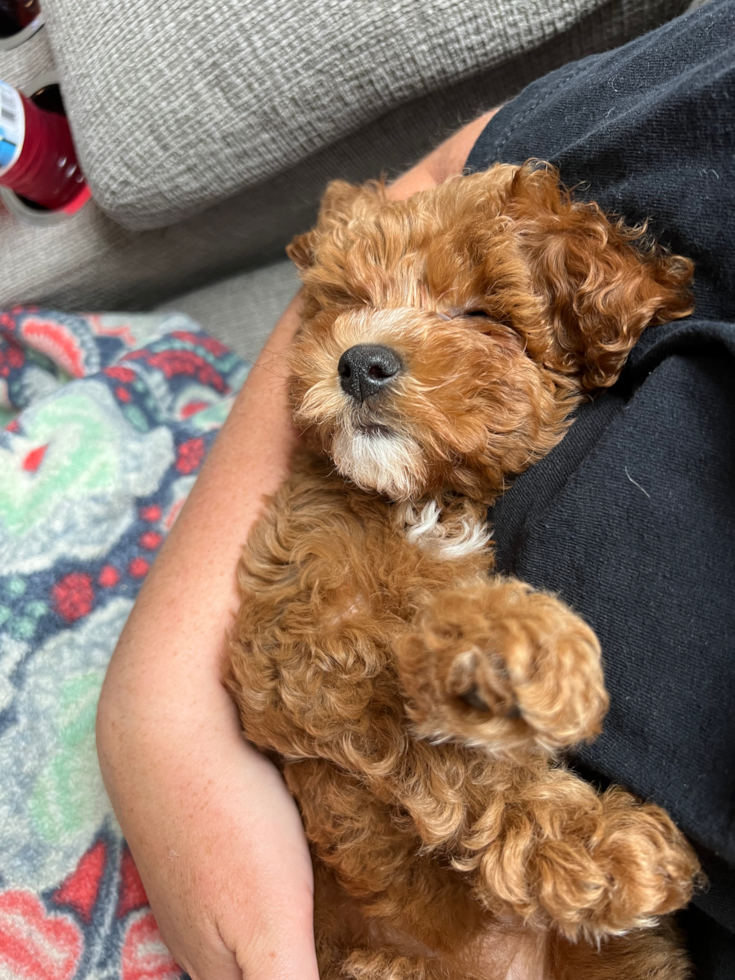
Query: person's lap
[[632, 518]]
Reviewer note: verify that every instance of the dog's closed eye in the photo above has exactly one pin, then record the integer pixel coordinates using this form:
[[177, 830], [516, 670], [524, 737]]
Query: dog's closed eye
[[454, 314], [484, 322], [489, 324]]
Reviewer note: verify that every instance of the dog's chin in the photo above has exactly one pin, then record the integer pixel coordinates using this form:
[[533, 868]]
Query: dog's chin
[[377, 458]]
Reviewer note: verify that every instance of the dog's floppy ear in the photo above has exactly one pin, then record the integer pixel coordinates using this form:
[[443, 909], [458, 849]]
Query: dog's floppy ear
[[340, 204], [301, 250], [599, 290]]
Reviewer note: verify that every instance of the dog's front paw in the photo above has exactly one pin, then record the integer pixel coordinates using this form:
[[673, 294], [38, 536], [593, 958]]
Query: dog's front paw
[[499, 664]]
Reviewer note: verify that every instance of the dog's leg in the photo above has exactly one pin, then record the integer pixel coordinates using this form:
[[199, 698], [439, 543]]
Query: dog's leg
[[499, 667], [651, 954], [498, 664], [373, 849], [389, 964], [594, 866], [353, 943]]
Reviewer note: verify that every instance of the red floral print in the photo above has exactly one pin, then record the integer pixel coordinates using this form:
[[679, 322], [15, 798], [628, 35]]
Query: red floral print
[[150, 540], [138, 567], [55, 341], [73, 596], [34, 459], [173, 362], [144, 956], [80, 889], [131, 895], [208, 343], [190, 455], [34, 944], [191, 408], [120, 373], [108, 577], [11, 356], [151, 513]]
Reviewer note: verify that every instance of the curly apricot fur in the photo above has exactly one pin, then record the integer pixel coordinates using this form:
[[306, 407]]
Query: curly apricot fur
[[415, 701]]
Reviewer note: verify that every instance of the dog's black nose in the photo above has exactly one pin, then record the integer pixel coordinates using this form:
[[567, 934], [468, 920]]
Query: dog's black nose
[[365, 368]]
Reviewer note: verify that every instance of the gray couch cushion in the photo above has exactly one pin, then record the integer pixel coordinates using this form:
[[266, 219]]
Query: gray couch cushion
[[242, 311], [176, 106], [19, 65], [92, 262]]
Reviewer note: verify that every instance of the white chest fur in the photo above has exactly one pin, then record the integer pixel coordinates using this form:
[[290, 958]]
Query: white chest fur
[[449, 533]]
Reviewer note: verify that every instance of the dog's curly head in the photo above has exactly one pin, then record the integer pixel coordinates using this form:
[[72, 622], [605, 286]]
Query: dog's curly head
[[446, 338]]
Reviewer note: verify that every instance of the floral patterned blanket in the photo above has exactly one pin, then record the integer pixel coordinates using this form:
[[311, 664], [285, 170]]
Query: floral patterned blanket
[[105, 422]]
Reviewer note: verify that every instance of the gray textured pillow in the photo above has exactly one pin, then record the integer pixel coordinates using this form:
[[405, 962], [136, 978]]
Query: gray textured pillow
[[243, 310], [91, 262], [177, 105]]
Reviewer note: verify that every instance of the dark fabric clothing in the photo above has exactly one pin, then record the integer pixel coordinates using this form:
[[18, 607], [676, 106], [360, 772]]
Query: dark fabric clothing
[[631, 519]]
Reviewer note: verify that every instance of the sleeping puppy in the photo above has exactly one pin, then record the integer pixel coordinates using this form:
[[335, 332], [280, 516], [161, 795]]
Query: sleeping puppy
[[417, 702]]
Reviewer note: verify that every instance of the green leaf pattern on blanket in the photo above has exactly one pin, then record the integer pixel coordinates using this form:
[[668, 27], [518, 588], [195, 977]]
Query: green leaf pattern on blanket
[[60, 803], [92, 462], [52, 799]]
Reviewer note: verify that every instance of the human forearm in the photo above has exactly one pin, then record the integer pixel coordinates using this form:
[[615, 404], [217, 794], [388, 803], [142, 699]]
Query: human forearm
[[446, 161], [184, 607], [216, 838]]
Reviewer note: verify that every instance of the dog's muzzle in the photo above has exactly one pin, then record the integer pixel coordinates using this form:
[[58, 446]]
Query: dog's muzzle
[[367, 368]]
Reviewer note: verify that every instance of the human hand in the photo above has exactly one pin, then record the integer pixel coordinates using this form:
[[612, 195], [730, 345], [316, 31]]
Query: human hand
[[215, 835]]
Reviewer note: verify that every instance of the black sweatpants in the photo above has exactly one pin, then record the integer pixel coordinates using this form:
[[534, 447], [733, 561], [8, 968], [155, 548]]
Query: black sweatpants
[[631, 519]]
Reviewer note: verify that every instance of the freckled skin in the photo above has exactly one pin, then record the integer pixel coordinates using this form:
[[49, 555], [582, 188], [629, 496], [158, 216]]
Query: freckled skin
[[416, 703]]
